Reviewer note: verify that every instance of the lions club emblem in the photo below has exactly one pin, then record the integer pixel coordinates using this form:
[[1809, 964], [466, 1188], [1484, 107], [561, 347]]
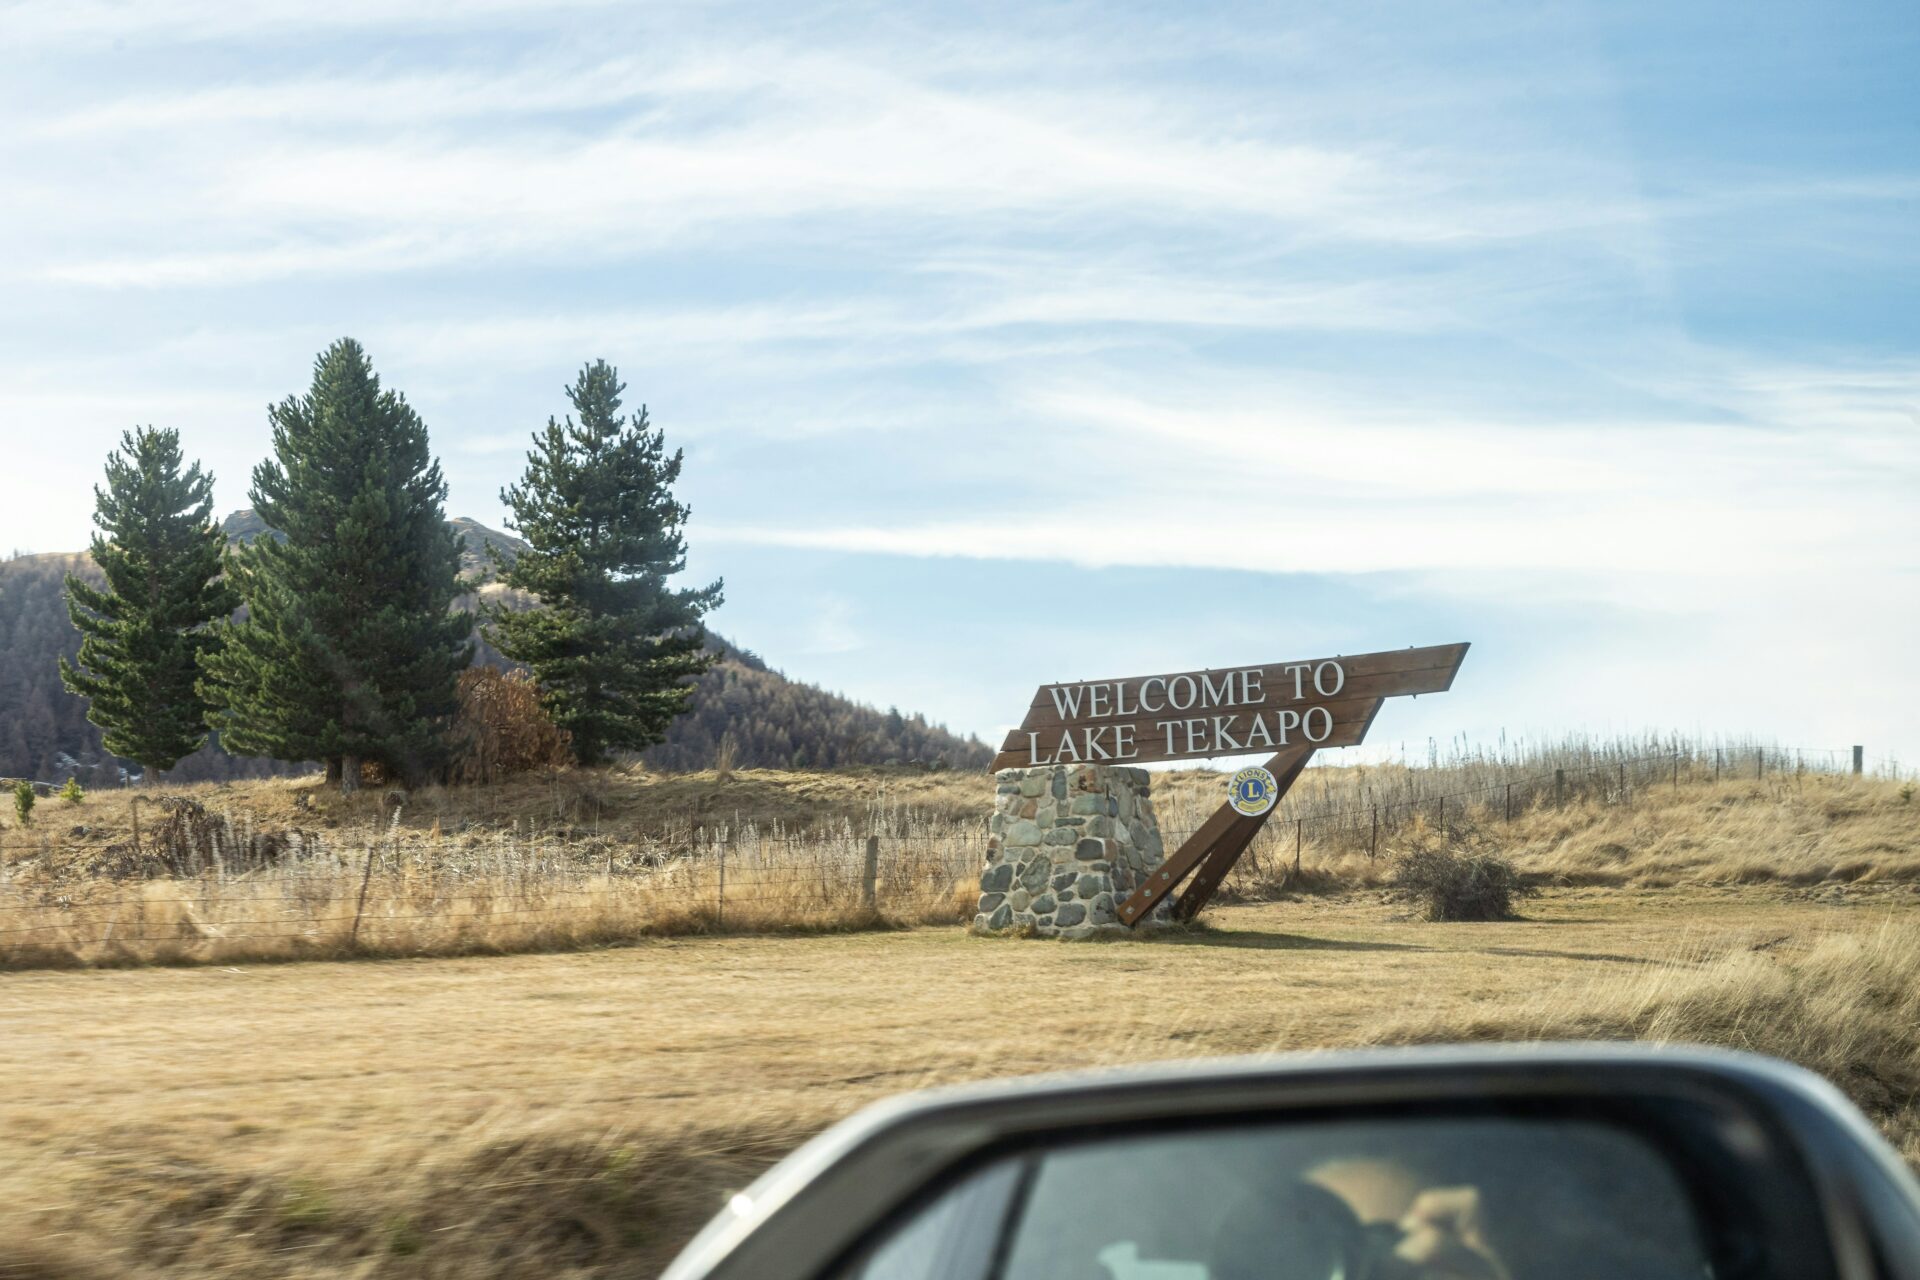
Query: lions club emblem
[[1252, 791]]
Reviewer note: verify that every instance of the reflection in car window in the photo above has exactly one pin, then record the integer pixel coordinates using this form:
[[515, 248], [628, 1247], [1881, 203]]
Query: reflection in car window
[[1436, 1199]]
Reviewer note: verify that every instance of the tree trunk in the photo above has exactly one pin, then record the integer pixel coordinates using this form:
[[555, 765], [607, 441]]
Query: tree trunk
[[333, 770], [349, 773]]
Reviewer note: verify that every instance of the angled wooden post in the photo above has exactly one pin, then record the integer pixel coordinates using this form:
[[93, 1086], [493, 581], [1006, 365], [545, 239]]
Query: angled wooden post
[[1219, 859], [1210, 852]]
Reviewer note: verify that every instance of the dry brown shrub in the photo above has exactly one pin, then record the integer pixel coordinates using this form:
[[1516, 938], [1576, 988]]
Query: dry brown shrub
[[501, 729], [1448, 884]]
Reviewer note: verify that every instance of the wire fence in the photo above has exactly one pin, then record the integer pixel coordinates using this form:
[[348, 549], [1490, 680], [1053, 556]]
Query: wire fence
[[1337, 816], [211, 886]]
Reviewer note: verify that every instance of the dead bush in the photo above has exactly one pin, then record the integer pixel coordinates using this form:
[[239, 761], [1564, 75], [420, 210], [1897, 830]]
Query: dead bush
[[501, 729], [189, 841], [1449, 885]]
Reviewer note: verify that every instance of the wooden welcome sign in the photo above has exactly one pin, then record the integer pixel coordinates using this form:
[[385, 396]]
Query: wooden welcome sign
[[1289, 708]]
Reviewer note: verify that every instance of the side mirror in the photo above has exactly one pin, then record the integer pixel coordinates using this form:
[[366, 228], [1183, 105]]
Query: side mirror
[[1548, 1163]]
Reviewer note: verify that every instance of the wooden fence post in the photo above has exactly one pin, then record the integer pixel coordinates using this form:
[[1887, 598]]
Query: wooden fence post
[[1716, 764], [353, 936], [1859, 759], [1559, 788], [1299, 830], [1373, 841], [870, 876], [1623, 780], [1759, 763], [720, 906], [1509, 803]]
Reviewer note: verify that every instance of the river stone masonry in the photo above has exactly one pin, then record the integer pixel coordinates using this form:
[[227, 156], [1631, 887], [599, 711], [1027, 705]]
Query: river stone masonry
[[1066, 844]]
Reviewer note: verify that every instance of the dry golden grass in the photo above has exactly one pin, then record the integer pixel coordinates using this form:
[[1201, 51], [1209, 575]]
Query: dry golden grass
[[579, 1114], [622, 804], [579, 859], [1847, 1005], [1792, 829]]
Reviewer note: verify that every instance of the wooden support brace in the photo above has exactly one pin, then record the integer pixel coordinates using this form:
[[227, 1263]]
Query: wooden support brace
[[1166, 877], [1224, 829], [1215, 864], [1226, 851]]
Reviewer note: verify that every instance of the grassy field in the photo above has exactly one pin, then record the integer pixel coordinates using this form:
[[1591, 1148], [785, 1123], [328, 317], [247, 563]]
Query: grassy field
[[580, 1114], [559, 1045], [289, 870]]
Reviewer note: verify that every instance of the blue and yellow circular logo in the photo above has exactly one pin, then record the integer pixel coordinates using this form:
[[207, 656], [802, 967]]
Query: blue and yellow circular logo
[[1252, 791]]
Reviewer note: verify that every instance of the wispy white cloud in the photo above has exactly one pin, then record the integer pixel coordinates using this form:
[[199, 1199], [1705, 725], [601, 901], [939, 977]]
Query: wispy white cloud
[[1658, 512], [832, 629], [91, 22]]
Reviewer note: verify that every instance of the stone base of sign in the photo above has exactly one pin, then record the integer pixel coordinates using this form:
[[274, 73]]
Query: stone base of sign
[[1065, 845]]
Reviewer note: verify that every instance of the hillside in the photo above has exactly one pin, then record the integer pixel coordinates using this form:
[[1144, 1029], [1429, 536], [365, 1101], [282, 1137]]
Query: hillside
[[774, 721]]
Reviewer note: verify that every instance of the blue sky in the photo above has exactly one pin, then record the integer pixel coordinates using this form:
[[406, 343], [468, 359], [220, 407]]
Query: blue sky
[[1019, 343]]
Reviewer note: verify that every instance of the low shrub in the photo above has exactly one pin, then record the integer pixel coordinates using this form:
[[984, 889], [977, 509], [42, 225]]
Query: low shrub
[[1450, 885], [501, 729], [23, 802], [72, 793]]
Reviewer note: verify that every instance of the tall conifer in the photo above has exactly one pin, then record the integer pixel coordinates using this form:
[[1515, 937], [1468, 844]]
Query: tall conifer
[[349, 651], [143, 636], [614, 644]]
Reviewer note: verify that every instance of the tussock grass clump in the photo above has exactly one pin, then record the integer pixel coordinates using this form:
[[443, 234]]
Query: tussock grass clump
[[509, 1207], [1450, 885], [204, 888], [1846, 1005]]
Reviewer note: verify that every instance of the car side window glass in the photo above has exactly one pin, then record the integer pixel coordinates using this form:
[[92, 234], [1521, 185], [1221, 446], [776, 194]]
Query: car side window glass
[[1469, 1199], [953, 1237]]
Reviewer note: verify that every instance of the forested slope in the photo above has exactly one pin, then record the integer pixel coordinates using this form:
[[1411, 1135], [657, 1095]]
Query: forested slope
[[773, 721]]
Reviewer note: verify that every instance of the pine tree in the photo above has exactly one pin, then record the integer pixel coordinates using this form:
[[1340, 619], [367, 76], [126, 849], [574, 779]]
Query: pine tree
[[613, 645], [349, 652], [143, 637]]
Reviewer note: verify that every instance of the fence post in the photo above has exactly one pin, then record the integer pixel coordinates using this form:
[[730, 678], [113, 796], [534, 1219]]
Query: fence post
[[720, 907], [1623, 782], [1716, 764], [1373, 841], [1676, 771], [1559, 788], [869, 884], [1759, 763], [1299, 829], [1442, 816], [1859, 759], [1509, 805], [353, 936]]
